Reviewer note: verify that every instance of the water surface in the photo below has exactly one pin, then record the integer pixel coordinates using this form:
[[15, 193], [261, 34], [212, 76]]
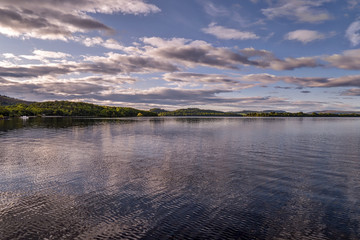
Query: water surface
[[180, 178]]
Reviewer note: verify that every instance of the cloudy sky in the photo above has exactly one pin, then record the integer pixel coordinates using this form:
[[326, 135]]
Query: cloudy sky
[[293, 55]]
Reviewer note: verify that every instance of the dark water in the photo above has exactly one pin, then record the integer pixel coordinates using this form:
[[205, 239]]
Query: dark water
[[180, 178]]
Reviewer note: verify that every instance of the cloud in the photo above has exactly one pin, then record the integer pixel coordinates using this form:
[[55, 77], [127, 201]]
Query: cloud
[[200, 53], [320, 82], [173, 42], [195, 53], [186, 97], [263, 79], [98, 41], [114, 63], [345, 81], [349, 59], [266, 59], [92, 6], [162, 97], [52, 19], [220, 81], [351, 92], [213, 9], [293, 63], [299, 10], [353, 4], [11, 56], [34, 71], [71, 88], [155, 55], [304, 36], [228, 33], [17, 23], [44, 56], [352, 33]]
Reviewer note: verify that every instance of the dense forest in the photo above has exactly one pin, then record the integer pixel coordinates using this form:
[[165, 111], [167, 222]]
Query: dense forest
[[66, 108]]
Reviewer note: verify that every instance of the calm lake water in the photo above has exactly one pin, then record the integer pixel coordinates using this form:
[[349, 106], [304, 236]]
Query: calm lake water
[[180, 178]]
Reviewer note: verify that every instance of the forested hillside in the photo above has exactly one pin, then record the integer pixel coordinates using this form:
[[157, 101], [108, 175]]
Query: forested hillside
[[6, 101], [67, 108]]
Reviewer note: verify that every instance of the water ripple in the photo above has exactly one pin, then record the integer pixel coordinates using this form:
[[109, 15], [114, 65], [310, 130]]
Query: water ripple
[[180, 178]]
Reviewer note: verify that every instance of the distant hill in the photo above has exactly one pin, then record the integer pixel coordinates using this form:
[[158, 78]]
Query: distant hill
[[244, 112], [197, 112], [338, 112], [7, 101], [275, 111], [157, 110]]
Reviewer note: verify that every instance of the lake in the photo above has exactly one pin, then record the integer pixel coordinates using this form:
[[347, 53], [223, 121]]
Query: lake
[[180, 178]]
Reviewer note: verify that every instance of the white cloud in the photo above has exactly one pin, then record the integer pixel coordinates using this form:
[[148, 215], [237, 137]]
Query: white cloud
[[44, 56], [304, 36], [300, 10], [352, 33], [160, 42], [98, 41], [50, 54], [214, 10], [11, 56], [228, 33]]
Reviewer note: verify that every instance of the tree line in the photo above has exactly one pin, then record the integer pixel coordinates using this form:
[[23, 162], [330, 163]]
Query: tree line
[[67, 108], [81, 109]]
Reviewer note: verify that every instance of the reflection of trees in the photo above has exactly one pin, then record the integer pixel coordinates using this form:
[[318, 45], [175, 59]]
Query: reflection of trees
[[58, 122]]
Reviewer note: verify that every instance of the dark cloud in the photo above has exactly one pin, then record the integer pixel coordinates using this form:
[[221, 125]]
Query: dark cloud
[[286, 88], [111, 65], [100, 6], [63, 89], [77, 88], [301, 82], [81, 22], [32, 25], [118, 63], [266, 59], [345, 81], [53, 19], [34, 71], [207, 55], [323, 82], [204, 55], [183, 97]]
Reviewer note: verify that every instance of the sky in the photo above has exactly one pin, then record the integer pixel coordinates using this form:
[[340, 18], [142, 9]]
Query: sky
[[229, 55]]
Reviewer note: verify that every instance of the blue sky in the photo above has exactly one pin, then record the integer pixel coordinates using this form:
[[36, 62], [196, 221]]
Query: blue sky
[[293, 55]]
